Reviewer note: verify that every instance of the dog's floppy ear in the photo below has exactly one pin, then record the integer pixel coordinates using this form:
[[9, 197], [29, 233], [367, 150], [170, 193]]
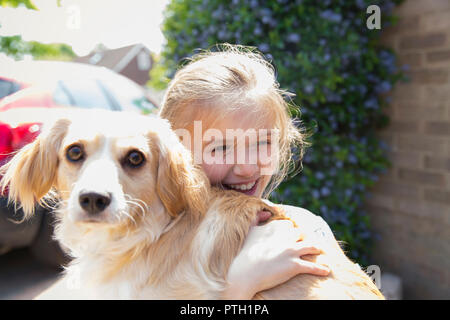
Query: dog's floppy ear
[[30, 174], [180, 185]]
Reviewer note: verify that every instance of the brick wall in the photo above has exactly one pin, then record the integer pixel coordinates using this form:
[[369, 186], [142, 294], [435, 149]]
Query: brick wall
[[410, 205]]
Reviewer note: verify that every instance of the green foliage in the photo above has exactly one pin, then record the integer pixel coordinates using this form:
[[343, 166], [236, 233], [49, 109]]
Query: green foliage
[[15, 3], [17, 48], [324, 53], [158, 80]]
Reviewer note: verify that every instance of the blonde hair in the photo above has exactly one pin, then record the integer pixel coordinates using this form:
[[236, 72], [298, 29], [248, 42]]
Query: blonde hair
[[234, 78]]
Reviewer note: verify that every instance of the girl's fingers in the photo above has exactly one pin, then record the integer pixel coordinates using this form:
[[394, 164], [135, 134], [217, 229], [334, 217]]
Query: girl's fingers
[[304, 266], [305, 247], [282, 224], [276, 227]]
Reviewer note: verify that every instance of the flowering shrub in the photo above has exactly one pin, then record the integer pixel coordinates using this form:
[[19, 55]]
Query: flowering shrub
[[325, 54]]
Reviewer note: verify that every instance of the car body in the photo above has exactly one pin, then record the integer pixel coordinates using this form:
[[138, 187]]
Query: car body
[[62, 84], [9, 86], [34, 85]]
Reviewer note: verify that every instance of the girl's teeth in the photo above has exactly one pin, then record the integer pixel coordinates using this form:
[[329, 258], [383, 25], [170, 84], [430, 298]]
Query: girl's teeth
[[243, 186]]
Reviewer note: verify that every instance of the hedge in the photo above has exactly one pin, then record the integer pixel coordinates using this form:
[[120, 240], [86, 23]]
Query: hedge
[[325, 54]]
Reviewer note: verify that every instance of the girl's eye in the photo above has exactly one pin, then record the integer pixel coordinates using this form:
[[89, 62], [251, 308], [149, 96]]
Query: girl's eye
[[75, 153], [220, 148], [263, 144], [135, 159]]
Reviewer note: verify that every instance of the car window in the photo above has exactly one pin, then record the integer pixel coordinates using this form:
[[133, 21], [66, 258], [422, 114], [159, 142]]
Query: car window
[[62, 96], [83, 93], [8, 87], [128, 94]]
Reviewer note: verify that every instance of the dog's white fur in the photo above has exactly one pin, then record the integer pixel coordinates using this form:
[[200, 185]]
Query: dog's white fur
[[166, 233]]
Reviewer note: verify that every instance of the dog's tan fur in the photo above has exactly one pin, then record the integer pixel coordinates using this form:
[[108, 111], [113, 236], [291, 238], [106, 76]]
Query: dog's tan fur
[[171, 236]]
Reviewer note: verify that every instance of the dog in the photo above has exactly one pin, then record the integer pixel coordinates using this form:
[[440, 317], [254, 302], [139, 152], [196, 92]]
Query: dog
[[142, 222]]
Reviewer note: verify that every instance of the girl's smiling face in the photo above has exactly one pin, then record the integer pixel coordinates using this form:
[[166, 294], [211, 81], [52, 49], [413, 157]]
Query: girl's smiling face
[[238, 155]]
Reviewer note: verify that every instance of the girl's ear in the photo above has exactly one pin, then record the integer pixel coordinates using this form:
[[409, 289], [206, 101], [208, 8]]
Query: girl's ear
[[30, 174], [180, 185]]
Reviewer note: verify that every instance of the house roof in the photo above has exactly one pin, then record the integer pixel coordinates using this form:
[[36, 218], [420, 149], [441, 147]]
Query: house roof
[[115, 59]]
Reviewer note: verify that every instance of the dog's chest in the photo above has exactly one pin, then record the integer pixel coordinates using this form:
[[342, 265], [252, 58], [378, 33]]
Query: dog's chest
[[90, 278]]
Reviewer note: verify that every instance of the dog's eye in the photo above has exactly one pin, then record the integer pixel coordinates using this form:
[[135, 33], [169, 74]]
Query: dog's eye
[[74, 153], [135, 159]]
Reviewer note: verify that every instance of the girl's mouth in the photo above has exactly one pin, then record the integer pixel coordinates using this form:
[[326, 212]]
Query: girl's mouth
[[246, 188]]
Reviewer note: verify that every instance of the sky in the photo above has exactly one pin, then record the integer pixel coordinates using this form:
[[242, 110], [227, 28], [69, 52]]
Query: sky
[[85, 23]]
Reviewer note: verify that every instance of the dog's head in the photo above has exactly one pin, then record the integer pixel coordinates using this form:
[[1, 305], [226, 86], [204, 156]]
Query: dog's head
[[108, 168]]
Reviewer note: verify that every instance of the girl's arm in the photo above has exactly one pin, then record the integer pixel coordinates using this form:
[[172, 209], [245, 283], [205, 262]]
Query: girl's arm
[[270, 256]]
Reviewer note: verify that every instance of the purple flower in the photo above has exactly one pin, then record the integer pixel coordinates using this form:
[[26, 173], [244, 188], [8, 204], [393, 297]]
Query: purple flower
[[348, 193], [212, 29], [287, 193], [325, 191], [222, 35], [387, 7], [352, 159], [265, 12], [307, 158], [316, 194], [264, 47], [383, 145], [383, 87], [257, 31], [361, 4], [331, 16], [365, 234], [309, 88], [320, 175], [362, 89], [217, 13], [372, 103], [293, 37]]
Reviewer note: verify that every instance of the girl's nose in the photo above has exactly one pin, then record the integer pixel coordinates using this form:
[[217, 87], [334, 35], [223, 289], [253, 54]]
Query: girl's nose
[[246, 170]]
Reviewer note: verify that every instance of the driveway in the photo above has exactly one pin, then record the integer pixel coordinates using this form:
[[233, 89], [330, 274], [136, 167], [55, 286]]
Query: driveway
[[22, 277]]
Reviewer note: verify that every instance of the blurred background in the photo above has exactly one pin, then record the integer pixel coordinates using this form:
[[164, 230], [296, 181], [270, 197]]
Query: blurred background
[[372, 86]]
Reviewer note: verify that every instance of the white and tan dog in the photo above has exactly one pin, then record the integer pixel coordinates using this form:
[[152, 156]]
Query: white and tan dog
[[141, 222]]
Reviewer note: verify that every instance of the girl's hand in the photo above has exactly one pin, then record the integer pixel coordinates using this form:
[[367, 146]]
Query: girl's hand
[[270, 256]]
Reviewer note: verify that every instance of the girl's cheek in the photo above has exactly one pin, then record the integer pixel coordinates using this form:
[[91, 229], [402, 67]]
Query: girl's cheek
[[264, 182], [267, 161], [216, 172]]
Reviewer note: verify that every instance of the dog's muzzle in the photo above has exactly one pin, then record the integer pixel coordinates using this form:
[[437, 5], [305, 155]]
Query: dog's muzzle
[[94, 202]]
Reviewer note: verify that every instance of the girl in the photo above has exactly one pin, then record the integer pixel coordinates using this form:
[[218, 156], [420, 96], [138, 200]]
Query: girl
[[214, 103]]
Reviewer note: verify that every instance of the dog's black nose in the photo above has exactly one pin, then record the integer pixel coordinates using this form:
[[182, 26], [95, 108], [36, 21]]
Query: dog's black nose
[[94, 202]]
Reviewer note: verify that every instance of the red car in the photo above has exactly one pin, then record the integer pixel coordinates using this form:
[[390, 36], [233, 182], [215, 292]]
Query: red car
[[9, 86], [58, 84], [51, 84]]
